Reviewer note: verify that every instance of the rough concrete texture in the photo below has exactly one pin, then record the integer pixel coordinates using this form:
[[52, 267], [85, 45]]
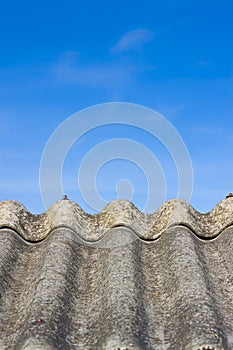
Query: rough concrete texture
[[116, 280]]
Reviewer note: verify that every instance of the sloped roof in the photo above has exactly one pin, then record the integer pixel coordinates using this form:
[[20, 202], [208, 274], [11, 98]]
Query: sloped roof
[[120, 279]]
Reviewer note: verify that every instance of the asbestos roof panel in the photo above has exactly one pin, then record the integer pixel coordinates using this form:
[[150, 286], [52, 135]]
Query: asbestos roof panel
[[116, 280]]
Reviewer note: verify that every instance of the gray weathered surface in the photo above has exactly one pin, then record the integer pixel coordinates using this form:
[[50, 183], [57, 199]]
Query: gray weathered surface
[[127, 290]]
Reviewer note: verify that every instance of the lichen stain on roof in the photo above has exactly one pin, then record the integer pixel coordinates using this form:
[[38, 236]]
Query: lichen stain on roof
[[119, 279]]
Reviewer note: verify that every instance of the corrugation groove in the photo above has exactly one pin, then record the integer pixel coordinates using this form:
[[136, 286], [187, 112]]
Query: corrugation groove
[[47, 316]]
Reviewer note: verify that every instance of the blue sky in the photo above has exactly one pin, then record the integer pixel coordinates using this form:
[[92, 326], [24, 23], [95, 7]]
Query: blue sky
[[57, 58]]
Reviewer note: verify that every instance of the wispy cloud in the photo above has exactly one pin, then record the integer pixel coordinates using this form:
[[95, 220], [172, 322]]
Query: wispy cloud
[[12, 153], [25, 185], [112, 73], [211, 130], [133, 40]]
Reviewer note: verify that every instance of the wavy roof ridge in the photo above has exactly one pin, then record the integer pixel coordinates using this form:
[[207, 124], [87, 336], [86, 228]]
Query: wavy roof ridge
[[93, 227]]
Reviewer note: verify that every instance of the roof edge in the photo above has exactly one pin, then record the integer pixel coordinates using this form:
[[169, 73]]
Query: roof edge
[[66, 213]]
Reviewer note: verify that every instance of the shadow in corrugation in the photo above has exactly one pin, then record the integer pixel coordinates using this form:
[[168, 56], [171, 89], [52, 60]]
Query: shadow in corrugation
[[61, 293], [142, 320]]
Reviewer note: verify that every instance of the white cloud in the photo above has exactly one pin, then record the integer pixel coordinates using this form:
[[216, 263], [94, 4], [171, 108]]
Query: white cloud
[[211, 130], [69, 69], [132, 40]]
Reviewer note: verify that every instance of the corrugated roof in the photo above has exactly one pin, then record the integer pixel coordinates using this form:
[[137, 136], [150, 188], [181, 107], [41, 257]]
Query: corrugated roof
[[120, 279]]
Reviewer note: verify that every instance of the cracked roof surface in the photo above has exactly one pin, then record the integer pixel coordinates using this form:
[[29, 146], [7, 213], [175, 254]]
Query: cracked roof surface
[[119, 279]]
